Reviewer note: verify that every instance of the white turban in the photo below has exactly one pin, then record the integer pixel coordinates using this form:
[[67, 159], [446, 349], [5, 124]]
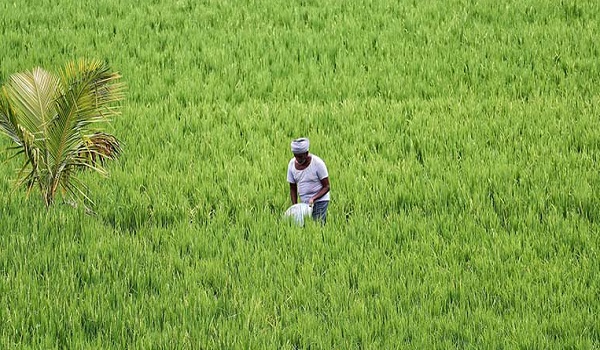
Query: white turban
[[300, 145]]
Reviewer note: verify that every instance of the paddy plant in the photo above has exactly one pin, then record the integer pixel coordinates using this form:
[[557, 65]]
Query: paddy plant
[[461, 140]]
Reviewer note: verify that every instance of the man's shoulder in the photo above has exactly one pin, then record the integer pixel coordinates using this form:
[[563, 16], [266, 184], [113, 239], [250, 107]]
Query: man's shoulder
[[317, 160]]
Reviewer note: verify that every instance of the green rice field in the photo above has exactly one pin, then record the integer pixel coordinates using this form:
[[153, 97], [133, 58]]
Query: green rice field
[[462, 139]]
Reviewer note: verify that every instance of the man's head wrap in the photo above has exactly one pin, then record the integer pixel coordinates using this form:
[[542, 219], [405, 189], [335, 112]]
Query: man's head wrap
[[300, 145]]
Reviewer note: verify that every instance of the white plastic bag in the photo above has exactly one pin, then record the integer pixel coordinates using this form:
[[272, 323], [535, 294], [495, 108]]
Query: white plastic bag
[[298, 212]]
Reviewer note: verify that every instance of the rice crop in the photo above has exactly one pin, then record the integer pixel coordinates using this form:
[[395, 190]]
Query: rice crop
[[462, 142]]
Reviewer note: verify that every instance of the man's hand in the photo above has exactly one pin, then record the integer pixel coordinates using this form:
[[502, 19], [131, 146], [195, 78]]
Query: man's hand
[[311, 202]]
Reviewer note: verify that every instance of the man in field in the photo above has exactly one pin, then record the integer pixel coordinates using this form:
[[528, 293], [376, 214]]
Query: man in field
[[309, 179]]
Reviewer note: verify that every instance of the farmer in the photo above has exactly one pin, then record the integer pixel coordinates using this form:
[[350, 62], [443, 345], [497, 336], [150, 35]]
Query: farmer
[[309, 179]]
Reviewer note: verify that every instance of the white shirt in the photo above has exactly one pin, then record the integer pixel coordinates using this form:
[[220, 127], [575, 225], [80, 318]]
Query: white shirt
[[309, 179]]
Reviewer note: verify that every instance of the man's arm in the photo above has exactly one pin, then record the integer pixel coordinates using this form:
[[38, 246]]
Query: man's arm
[[294, 193], [322, 192]]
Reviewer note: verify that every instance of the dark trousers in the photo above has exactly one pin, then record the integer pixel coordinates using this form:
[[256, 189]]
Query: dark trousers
[[319, 211]]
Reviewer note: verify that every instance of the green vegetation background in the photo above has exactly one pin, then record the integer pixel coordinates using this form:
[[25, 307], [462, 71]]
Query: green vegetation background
[[462, 140]]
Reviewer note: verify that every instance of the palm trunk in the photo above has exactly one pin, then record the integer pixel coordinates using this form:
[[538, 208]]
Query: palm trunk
[[45, 194]]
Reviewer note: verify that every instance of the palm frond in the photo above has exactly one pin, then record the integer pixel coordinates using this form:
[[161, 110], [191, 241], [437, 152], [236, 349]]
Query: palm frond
[[75, 188], [32, 95], [91, 90], [56, 122], [98, 148], [8, 119], [100, 86]]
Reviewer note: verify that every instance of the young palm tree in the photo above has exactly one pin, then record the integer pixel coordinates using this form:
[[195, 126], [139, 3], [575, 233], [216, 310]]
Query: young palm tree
[[55, 122]]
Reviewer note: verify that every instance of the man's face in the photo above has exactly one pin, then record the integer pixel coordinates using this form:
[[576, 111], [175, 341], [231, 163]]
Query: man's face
[[301, 157]]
